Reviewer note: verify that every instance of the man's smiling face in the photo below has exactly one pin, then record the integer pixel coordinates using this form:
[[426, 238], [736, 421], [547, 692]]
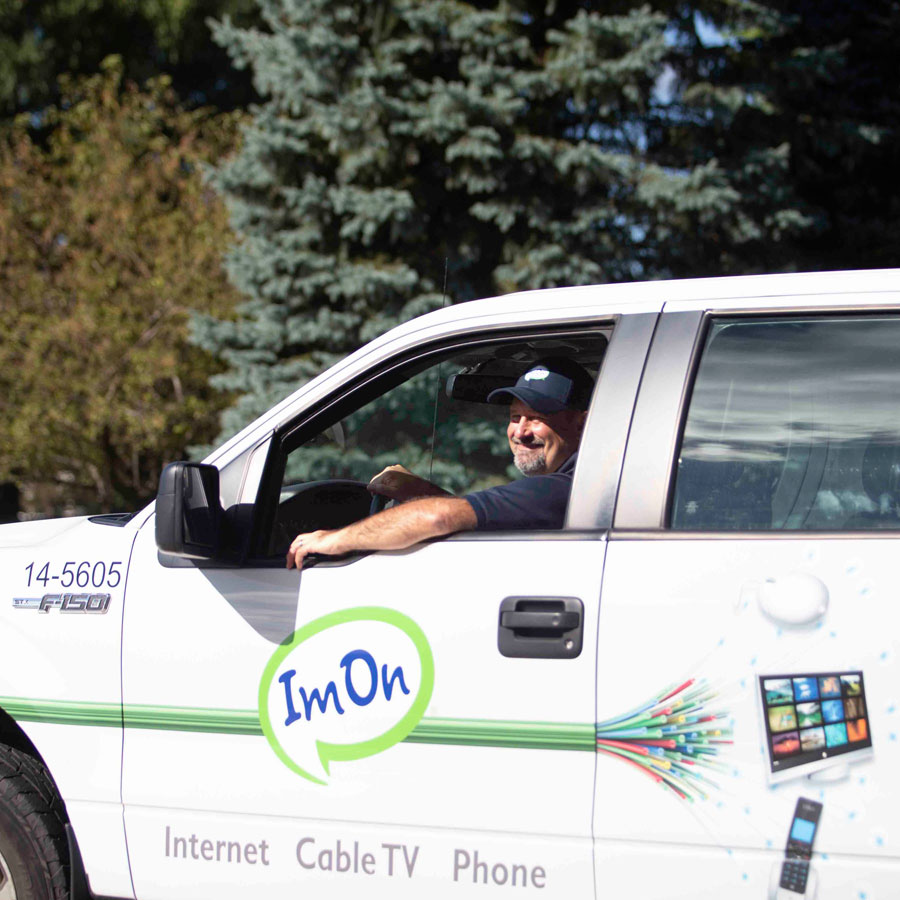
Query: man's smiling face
[[542, 442]]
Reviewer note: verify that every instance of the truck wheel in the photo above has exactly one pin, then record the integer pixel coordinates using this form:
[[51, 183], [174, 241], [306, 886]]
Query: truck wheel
[[33, 848]]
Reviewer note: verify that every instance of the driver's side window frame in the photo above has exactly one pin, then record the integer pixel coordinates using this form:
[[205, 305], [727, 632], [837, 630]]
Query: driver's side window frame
[[354, 394]]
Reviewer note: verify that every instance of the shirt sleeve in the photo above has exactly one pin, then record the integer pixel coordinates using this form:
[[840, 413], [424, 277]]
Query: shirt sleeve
[[536, 503]]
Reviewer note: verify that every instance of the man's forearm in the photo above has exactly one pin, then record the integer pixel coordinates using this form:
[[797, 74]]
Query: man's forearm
[[398, 483], [393, 529], [403, 526]]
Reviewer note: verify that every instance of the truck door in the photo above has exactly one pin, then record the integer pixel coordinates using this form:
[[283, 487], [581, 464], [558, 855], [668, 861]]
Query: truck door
[[747, 661], [407, 723]]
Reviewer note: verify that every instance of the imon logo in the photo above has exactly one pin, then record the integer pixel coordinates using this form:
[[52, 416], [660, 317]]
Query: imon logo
[[348, 685]]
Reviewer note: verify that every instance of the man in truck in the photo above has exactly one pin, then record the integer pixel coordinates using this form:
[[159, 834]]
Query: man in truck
[[548, 408]]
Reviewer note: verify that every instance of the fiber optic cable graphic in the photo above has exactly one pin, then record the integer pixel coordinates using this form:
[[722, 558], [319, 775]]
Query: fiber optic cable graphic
[[674, 738]]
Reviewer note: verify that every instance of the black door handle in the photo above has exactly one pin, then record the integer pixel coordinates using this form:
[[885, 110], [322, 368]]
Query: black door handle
[[541, 627], [540, 621]]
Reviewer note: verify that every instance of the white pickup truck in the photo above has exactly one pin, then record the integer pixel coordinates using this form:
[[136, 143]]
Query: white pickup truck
[[689, 691]]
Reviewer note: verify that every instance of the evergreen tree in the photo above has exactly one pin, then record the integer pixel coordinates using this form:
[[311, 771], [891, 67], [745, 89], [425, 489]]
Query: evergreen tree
[[799, 104], [720, 116], [529, 144], [832, 77]]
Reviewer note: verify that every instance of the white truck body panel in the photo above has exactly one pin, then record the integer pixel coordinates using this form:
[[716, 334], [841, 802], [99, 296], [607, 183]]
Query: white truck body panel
[[162, 696]]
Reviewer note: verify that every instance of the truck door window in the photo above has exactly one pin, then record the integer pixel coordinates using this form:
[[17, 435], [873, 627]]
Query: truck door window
[[793, 425], [439, 429]]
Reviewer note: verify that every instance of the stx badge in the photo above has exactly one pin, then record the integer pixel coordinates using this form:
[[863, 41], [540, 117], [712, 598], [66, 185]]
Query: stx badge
[[97, 604]]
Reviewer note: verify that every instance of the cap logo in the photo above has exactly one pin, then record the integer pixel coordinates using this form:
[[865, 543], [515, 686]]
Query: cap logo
[[537, 375]]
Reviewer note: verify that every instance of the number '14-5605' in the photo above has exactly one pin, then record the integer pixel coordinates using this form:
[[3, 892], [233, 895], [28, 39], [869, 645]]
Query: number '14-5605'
[[79, 574]]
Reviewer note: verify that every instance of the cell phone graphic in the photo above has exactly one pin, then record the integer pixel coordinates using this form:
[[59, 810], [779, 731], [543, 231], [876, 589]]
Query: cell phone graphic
[[796, 878]]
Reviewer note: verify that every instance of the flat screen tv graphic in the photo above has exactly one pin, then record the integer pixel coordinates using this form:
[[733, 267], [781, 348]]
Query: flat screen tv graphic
[[814, 720]]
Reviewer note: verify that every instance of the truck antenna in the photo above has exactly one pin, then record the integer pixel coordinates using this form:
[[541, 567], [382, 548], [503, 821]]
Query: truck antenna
[[437, 392]]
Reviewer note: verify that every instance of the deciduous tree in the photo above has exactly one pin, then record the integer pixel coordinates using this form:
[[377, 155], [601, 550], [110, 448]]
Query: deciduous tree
[[108, 240]]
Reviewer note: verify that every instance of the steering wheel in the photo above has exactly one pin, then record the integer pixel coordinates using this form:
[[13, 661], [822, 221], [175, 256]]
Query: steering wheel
[[379, 502]]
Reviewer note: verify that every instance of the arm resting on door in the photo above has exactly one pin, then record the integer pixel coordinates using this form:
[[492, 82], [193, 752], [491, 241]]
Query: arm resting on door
[[393, 529]]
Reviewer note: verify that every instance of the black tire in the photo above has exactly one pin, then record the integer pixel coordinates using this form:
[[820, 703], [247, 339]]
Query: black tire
[[34, 854]]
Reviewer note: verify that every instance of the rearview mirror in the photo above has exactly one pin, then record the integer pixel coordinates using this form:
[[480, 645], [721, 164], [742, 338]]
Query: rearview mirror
[[474, 387], [188, 511]]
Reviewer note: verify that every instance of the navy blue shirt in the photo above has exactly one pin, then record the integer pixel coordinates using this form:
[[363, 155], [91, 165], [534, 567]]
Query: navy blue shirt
[[536, 502]]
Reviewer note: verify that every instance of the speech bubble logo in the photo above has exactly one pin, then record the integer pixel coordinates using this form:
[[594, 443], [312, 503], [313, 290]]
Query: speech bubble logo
[[345, 686]]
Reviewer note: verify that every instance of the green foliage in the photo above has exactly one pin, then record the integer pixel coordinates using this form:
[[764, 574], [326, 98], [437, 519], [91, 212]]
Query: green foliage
[[108, 239], [43, 39], [831, 76], [527, 144], [460, 445]]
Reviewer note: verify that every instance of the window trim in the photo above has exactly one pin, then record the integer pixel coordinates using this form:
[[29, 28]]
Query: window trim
[[371, 382], [598, 472], [661, 402], [635, 534], [648, 479]]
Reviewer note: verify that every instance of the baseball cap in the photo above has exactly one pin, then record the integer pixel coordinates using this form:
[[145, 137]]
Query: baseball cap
[[550, 385]]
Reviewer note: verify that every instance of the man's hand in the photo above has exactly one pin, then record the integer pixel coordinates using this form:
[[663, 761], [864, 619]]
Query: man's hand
[[398, 483], [326, 542]]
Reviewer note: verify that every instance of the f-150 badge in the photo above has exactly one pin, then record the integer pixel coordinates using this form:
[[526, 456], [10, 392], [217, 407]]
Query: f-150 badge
[[96, 604]]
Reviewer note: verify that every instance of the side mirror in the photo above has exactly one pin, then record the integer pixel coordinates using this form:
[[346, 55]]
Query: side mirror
[[188, 511]]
